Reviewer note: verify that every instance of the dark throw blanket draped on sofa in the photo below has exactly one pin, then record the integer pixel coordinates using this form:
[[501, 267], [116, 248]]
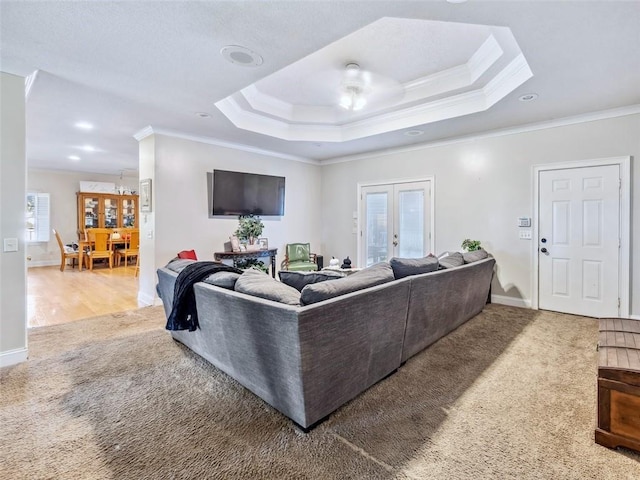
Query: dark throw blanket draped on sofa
[[184, 315]]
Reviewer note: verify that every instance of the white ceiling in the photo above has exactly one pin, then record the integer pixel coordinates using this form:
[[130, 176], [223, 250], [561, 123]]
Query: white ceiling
[[124, 66]]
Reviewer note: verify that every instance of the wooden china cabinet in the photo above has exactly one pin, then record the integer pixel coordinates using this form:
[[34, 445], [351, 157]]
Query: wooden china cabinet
[[106, 210]]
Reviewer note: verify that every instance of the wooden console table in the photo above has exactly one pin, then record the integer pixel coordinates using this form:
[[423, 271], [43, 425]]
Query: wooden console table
[[619, 383], [235, 256]]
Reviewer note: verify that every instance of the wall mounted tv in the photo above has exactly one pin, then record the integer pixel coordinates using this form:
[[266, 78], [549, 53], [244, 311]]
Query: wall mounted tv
[[238, 193]]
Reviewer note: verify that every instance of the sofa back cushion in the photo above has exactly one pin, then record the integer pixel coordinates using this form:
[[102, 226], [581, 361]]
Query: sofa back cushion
[[374, 275], [404, 267], [223, 279], [259, 284], [452, 260], [178, 264], [299, 280], [470, 257]]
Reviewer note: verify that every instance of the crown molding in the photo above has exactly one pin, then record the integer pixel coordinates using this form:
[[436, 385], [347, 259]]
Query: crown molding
[[484, 58], [511, 77], [145, 132], [532, 127], [28, 83]]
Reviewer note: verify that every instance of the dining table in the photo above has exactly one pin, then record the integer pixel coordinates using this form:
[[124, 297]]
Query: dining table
[[114, 243]]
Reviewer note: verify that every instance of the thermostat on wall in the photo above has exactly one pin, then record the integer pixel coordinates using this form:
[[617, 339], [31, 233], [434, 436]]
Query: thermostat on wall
[[524, 222]]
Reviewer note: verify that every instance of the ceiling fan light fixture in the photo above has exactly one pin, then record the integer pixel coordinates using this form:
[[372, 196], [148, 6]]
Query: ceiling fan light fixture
[[353, 86], [359, 103], [352, 98]]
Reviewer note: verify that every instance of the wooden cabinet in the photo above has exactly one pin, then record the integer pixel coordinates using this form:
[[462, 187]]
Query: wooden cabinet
[[107, 210], [619, 383]]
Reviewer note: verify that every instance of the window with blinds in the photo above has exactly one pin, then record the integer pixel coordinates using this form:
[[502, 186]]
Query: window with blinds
[[37, 217]]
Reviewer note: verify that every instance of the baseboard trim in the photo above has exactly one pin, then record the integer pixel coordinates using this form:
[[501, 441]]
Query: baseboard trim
[[511, 301], [634, 317], [13, 357], [145, 300], [44, 263]]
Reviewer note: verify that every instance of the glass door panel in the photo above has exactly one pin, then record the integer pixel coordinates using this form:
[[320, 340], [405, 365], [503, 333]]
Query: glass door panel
[[396, 222], [377, 203], [91, 211], [411, 219], [110, 213], [128, 213]]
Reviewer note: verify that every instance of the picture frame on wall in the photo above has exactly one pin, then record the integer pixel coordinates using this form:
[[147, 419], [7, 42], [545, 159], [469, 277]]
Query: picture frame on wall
[[145, 195], [264, 243]]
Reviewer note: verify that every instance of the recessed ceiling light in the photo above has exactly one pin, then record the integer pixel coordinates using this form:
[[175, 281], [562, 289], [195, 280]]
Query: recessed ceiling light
[[457, 1], [203, 114], [527, 97], [84, 125], [413, 133], [74, 157], [241, 56], [88, 148]]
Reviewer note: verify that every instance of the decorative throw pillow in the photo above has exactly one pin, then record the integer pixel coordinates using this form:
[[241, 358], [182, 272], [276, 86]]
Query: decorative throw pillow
[[470, 257], [223, 279], [454, 259], [177, 264], [404, 267], [299, 280], [374, 275], [259, 284], [190, 254]]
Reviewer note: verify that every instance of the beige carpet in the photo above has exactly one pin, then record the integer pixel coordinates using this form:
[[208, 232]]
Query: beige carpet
[[511, 394]]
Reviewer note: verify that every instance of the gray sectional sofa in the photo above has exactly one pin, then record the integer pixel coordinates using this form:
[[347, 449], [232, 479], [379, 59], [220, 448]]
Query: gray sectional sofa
[[308, 360]]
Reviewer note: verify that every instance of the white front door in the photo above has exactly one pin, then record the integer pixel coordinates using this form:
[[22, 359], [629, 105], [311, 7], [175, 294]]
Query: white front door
[[396, 221], [579, 239]]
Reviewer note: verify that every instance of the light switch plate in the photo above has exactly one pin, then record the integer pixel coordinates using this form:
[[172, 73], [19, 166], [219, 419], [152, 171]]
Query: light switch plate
[[10, 244]]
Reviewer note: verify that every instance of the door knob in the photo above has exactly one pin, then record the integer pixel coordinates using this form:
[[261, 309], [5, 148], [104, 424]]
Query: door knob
[[395, 243], [543, 250]]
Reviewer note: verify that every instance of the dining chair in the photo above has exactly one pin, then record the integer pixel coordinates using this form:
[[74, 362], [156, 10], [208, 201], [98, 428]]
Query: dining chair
[[131, 246], [66, 253], [99, 245]]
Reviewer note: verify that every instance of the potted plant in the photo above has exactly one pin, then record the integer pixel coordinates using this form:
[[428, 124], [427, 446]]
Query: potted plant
[[471, 245], [249, 228]]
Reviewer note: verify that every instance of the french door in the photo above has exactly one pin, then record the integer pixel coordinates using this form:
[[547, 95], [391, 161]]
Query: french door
[[579, 240], [395, 221]]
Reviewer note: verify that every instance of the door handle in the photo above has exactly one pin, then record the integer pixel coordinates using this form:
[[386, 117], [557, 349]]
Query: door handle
[[543, 250], [395, 243]]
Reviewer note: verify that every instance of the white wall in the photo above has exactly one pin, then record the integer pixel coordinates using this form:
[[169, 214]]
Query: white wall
[[13, 311], [481, 187], [62, 187], [180, 215]]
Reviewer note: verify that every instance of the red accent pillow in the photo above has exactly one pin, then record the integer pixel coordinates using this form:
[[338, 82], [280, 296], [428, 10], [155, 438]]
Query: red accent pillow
[[190, 254]]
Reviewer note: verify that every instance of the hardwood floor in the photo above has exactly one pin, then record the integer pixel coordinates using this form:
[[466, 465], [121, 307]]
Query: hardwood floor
[[55, 297]]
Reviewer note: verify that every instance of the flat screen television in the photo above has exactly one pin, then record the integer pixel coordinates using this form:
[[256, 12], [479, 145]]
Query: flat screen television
[[239, 193]]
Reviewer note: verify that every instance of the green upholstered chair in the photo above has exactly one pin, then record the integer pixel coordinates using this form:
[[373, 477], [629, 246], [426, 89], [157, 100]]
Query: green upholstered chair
[[298, 258]]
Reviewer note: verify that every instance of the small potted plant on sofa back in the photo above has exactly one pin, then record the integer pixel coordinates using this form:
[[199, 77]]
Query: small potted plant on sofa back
[[249, 229], [471, 245]]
